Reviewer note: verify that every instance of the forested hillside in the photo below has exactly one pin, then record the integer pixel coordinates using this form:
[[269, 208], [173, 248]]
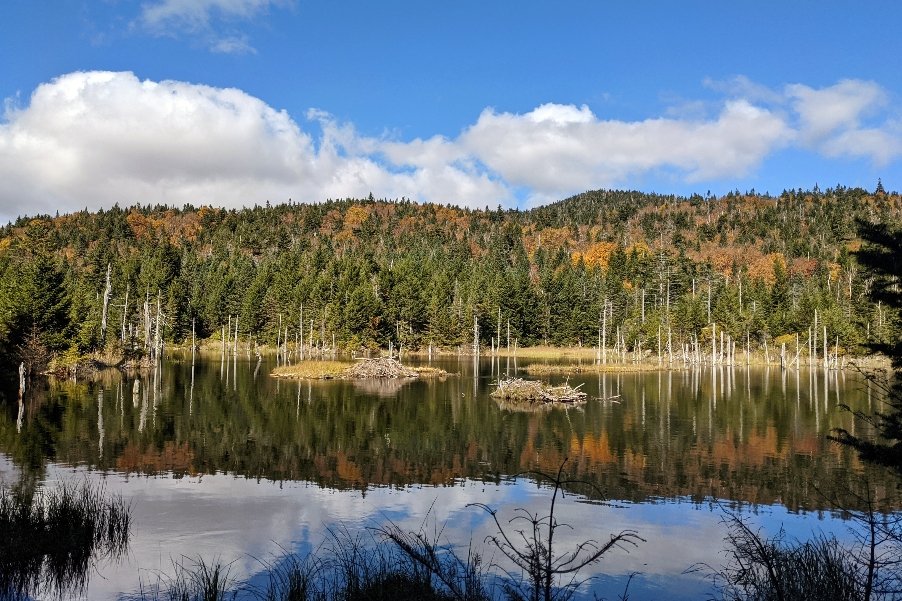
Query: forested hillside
[[367, 273]]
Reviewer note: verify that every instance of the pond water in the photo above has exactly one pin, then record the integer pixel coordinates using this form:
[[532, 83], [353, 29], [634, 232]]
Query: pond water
[[219, 460]]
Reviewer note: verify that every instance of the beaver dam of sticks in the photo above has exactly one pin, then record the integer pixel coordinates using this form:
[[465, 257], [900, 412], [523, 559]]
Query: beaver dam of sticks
[[537, 393], [365, 369]]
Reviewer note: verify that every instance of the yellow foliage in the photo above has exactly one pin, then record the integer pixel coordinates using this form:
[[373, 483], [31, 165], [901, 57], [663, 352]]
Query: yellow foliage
[[835, 270], [640, 248], [355, 217], [553, 237], [597, 254], [788, 339]]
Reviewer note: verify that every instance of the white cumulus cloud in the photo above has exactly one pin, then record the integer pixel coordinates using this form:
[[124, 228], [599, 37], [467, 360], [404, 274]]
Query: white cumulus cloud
[[96, 138], [561, 146], [91, 139], [840, 106], [834, 120]]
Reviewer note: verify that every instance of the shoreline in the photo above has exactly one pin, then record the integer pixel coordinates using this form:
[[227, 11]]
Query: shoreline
[[585, 358], [543, 360]]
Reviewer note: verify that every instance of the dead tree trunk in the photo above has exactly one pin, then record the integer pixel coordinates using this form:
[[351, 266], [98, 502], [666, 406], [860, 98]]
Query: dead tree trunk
[[157, 340], [604, 333], [107, 293], [124, 313], [499, 327], [147, 324]]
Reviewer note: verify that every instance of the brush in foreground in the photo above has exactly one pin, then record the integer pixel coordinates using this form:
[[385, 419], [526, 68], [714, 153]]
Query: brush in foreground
[[518, 389], [51, 539]]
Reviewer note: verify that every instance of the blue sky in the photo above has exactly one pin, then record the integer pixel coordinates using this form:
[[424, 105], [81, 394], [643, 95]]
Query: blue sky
[[235, 102]]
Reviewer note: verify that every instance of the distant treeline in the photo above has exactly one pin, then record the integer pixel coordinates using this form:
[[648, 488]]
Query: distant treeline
[[369, 273]]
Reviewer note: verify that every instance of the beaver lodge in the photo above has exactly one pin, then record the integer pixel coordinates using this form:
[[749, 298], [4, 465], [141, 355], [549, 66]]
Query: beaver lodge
[[518, 389]]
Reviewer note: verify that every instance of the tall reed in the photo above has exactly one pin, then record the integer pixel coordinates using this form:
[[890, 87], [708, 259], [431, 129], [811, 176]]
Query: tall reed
[[50, 538]]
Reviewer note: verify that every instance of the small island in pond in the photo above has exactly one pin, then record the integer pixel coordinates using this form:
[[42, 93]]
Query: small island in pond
[[371, 368]]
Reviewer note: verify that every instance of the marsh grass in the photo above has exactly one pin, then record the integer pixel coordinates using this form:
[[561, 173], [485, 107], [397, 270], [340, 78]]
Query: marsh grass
[[50, 539], [329, 370], [312, 370], [778, 568], [544, 369], [349, 567], [292, 578], [197, 581], [430, 372]]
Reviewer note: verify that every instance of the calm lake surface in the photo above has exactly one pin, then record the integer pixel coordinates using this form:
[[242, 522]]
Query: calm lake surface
[[219, 460]]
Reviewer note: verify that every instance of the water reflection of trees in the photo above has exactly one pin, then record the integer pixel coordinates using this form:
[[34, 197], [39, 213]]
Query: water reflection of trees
[[759, 440]]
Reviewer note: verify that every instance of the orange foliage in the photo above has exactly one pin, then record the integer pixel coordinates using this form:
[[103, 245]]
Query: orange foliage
[[597, 254], [803, 266], [454, 220], [347, 469], [751, 260], [409, 224], [762, 267], [141, 226], [184, 228], [344, 236], [330, 222], [595, 448], [174, 457]]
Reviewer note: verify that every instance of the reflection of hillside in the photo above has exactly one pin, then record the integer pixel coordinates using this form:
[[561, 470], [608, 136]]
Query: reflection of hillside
[[755, 444]]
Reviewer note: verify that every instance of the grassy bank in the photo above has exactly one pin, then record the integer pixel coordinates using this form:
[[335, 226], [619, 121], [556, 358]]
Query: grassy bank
[[559, 360], [312, 370]]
